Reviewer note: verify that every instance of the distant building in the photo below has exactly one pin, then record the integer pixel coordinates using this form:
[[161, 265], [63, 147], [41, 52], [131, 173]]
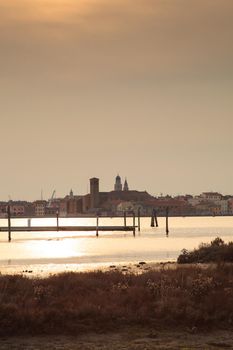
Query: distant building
[[107, 202], [176, 206], [125, 206], [208, 208], [211, 196], [126, 187], [40, 207], [94, 192], [118, 184], [195, 200], [17, 209], [223, 204], [3, 209], [230, 206], [71, 205]]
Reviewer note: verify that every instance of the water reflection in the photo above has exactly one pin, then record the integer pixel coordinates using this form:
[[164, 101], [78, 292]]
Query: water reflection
[[84, 248]]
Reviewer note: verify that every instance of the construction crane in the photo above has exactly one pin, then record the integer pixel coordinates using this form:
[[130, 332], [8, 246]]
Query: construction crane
[[51, 199]]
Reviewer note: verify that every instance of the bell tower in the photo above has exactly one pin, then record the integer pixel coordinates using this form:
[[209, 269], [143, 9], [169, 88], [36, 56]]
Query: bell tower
[[94, 192], [126, 186], [118, 184]]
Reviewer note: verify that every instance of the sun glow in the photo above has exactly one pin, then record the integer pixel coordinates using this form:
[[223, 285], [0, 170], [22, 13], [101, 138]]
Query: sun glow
[[56, 10], [44, 10], [54, 249]]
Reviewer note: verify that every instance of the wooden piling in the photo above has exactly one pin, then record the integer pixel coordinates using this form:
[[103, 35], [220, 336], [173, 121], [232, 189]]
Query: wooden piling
[[57, 216], [139, 220], [155, 218], [152, 223], [97, 226], [125, 218], [9, 222], [167, 228], [134, 223]]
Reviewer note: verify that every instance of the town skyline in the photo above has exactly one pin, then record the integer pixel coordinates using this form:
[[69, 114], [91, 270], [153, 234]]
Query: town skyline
[[119, 200], [77, 190]]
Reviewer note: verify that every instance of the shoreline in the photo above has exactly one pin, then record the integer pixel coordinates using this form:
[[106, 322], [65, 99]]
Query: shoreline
[[46, 269], [126, 268]]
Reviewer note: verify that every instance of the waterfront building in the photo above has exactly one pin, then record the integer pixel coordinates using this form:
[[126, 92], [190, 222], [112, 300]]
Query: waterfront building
[[3, 209], [176, 206], [230, 206], [40, 207], [129, 207], [94, 193], [125, 206], [223, 206], [71, 205], [17, 209], [208, 208], [195, 200]]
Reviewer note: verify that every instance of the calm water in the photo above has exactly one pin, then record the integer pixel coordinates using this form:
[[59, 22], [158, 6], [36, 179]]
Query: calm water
[[49, 252]]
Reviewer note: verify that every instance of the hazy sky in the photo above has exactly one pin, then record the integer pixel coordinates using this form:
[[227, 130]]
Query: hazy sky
[[143, 88]]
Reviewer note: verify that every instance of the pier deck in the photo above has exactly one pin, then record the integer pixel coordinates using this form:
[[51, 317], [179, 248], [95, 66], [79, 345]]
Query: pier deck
[[66, 228]]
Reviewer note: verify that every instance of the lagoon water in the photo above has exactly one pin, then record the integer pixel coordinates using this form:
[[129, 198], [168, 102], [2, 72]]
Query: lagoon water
[[49, 252]]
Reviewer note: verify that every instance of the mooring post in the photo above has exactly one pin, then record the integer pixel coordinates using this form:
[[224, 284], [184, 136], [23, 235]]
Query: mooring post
[[134, 223], [155, 218], [125, 218], [97, 226], [9, 222], [167, 228], [152, 223], [139, 219], [57, 215]]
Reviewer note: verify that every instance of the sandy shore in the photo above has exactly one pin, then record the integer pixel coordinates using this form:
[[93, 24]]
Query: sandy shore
[[45, 270], [129, 339]]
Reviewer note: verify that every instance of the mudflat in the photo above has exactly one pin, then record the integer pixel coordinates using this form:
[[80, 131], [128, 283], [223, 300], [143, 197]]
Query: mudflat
[[128, 339]]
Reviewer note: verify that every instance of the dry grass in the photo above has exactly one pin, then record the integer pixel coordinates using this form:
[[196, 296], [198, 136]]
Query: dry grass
[[73, 303], [216, 251]]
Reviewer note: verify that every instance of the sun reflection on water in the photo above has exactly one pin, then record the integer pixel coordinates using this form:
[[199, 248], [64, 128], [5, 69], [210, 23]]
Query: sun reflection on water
[[54, 249]]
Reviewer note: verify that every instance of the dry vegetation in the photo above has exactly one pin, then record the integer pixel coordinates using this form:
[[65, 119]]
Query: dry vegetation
[[216, 251], [74, 303]]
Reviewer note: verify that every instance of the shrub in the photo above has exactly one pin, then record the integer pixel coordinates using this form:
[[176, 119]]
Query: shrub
[[216, 251]]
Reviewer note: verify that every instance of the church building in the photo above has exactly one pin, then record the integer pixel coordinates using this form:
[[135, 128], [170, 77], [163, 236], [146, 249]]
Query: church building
[[118, 185]]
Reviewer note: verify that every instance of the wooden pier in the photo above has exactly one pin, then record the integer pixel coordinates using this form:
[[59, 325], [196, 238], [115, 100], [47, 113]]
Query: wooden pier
[[66, 228], [94, 228]]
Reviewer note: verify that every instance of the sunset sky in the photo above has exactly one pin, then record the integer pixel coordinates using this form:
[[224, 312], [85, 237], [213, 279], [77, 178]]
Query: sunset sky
[[143, 88]]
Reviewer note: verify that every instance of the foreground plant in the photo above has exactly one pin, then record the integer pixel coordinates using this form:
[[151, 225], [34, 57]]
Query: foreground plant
[[100, 301]]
